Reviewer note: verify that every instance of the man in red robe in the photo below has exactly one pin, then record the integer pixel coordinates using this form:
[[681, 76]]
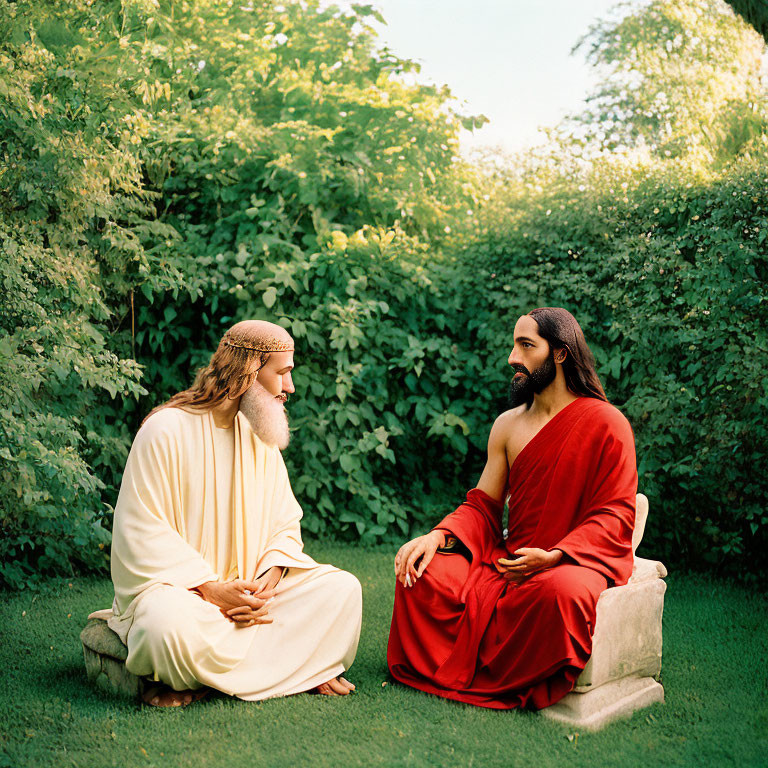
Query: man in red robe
[[504, 619]]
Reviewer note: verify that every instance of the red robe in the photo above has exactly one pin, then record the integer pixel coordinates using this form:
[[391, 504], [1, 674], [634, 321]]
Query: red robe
[[463, 632]]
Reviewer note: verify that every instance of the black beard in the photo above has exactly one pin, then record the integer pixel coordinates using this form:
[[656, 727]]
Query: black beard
[[523, 390]]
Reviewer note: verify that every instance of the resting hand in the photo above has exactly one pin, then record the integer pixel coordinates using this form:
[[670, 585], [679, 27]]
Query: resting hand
[[268, 581], [530, 560], [236, 601], [423, 547]]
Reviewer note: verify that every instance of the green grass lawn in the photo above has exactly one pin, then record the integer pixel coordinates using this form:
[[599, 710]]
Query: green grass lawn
[[716, 710]]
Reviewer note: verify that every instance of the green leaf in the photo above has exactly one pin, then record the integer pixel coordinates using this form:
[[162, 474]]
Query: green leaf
[[269, 297], [349, 463]]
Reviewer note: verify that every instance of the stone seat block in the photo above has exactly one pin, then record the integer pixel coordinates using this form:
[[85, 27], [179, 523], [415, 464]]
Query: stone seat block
[[627, 638], [612, 701], [622, 673], [105, 656]]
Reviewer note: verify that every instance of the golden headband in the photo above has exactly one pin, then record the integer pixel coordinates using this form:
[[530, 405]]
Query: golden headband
[[272, 345]]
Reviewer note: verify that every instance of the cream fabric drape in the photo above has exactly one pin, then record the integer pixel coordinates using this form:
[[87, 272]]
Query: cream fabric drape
[[200, 503]]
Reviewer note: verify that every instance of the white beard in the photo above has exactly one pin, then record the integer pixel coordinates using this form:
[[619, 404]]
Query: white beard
[[267, 416]]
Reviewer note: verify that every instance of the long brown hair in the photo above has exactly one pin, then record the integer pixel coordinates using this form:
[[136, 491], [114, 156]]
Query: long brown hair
[[242, 352], [561, 329]]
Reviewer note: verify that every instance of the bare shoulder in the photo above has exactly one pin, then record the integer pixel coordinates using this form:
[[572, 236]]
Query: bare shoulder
[[506, 425], [508, 420]]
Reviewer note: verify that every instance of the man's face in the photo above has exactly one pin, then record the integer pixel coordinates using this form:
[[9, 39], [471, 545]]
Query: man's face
[[532, 361], [263, 404], [275, 375]]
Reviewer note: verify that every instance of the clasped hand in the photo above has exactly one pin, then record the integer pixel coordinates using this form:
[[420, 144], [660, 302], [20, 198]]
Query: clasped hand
[[530, 560], [241, 601]]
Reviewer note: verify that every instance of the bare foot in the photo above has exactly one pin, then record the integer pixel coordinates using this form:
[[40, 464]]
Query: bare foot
[[163, 696], [338, 686]]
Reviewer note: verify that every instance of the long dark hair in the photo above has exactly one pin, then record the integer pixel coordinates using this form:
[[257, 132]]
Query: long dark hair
[[561, 329]]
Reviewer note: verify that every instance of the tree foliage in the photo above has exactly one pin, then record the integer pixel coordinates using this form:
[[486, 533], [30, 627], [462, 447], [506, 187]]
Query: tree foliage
[[754, 12], [72, 213], [662, 255], [684, 79], [170, 168]]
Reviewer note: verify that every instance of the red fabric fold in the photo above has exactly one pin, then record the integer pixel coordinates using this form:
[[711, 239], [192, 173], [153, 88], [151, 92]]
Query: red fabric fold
[[464, 633], [476, 522]]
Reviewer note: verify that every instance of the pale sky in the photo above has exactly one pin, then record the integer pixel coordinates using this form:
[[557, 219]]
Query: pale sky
[[507, 59]]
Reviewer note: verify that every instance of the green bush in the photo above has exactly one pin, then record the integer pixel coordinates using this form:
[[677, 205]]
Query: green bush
[[382, 412], [165, 174], [666, 273], [158, 168], [72, 210], [661, 255], [288, 160]]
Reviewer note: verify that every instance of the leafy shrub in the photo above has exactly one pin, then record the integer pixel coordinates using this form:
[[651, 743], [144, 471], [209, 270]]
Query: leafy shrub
[[165, 175], [152, 163], [71, 208], [660, 252], [382, 413], [287, 160], [666, 273]]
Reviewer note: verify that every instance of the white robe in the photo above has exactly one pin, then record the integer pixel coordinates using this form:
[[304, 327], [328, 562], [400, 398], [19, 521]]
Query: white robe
[[199, 503]]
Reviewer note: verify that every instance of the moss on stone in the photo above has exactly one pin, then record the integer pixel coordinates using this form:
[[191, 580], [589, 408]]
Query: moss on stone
[[102, 640]]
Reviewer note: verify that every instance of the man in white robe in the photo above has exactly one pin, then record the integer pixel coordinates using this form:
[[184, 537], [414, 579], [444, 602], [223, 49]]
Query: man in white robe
[[212, 587]]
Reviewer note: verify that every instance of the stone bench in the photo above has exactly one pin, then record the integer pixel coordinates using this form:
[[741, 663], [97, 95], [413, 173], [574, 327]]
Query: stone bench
[[622, 674], [105, 657]]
